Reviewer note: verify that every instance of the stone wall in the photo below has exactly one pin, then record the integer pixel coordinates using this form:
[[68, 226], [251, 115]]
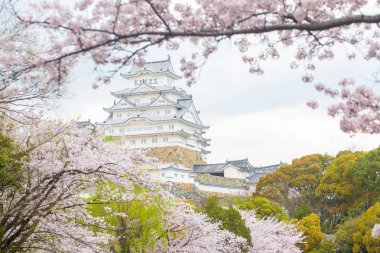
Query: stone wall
[[176, 154], [223, 181]]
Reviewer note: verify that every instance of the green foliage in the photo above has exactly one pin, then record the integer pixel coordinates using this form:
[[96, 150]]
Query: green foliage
[[355, 235], [337, 185], [301, 211], [110, 138], [355, 211], [262, 206], [301, 176], [337, 189], [325, 246], [137, 224], [366, 177], [11, 160], [311, 228], [295, 183], [362, 237], [343, 236], [230, 218]]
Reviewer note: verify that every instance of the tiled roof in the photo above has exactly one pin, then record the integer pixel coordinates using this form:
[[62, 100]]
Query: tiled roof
[[175, 166], [164, 66], [243, 165], [86, 124], [183, 106], [158, 88]]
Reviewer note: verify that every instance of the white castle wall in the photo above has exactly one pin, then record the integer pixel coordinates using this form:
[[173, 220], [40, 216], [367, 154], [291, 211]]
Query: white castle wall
[[231, 171], [221, 189], [173, 175]]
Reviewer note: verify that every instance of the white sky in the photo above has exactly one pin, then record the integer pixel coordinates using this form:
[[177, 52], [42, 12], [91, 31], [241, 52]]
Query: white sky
[[263, 118]]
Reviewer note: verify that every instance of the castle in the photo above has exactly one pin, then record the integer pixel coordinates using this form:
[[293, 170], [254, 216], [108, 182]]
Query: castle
[[154, 114]]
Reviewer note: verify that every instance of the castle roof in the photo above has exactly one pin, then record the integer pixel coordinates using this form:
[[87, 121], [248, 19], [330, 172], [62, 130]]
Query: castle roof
[[243, 165], [86, 124], [156, 67], [182, 106], [173, 166], [153, 88], [152, 117]]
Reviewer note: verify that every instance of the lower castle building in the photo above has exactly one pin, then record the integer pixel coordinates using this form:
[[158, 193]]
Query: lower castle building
[[236, 177]]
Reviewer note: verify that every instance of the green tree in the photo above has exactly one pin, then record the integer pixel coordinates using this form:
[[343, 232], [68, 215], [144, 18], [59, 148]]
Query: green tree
[[366, 177], [337, 186], [136, 224], [229, 218], [296, 183], [263, 207], [343, 236], [311, 228], [355, 235], [301, 211], [11, 161]]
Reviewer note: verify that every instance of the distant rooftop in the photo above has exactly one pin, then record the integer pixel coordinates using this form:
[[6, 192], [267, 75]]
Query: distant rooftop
[[164, 66], [86, 124], [243, 165]]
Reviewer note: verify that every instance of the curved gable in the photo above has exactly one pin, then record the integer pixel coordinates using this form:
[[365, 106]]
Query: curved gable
[[162, 100]]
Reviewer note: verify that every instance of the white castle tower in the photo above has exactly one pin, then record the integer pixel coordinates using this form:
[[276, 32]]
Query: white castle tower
[[151, 112]]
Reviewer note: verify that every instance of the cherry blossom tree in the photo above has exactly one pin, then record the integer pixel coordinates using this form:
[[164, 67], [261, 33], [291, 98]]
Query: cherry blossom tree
[[268, 235], [21, 88], [271, 235], [191, 231], [47, 213], [113, 33]]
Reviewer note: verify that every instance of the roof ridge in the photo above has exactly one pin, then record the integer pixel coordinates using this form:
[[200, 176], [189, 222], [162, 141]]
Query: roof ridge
[[246, 159], [209, 164], [167, 60]]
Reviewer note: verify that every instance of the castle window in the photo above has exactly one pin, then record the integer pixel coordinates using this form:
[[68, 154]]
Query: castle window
[[143, 141], [133, 141], [154, 140], [160, 128], [166, 139], [171, 127], [167, 111], [163, 174], [121, 130]]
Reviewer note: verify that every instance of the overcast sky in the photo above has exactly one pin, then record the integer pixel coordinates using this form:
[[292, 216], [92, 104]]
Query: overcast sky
[[263, 118]]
